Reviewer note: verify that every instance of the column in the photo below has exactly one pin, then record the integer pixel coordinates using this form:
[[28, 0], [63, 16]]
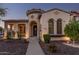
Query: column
[[5, 34], [16, 31]]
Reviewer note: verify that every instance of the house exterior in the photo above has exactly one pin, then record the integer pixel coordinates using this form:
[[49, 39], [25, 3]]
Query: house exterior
[[41, 22]]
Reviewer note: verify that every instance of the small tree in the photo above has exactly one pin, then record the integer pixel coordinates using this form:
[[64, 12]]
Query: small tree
[[72, 30], [1, 29], [2, 12]]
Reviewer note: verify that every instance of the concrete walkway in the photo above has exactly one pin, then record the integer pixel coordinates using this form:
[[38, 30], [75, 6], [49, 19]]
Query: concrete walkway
[[34, 47]]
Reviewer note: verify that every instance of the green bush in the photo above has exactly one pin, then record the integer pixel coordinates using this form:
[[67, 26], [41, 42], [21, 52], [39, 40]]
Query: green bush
[[72, 30], [19, 35], [1, 29], [8, 35], [46, 38]]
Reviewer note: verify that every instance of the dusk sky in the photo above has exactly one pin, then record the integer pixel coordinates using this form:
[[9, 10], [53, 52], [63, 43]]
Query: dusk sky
[[18, 10]]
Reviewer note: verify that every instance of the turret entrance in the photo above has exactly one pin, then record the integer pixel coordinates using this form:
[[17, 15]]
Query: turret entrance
[[33, 28]]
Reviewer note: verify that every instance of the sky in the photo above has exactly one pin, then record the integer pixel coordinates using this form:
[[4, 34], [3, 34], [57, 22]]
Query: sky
[[18, 10]]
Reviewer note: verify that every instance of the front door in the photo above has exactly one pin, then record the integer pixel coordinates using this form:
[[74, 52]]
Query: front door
[[35, 30]]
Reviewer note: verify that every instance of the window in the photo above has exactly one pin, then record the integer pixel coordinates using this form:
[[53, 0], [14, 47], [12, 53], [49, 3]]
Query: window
[[21, 29], [59, 26], [51, 26]]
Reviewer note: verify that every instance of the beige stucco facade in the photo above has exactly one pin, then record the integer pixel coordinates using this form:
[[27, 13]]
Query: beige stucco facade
[[31, 23], [37, 23], [51, 14]]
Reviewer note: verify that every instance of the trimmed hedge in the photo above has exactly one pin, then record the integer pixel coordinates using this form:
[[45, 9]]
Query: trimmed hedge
[[46, 38]]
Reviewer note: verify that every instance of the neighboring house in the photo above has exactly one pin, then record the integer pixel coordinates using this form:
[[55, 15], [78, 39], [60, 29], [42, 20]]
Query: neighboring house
[[41, 22]]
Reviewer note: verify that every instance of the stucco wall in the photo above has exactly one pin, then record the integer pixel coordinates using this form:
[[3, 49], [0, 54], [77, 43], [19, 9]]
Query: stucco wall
[[51, 14], [34, 19]]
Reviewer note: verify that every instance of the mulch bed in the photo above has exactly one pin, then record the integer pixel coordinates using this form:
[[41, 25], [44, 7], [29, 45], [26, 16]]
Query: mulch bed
[[13, 47], [61, 48]]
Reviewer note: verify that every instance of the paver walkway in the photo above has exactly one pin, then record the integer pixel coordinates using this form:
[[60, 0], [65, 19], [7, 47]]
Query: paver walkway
[[34, 47]]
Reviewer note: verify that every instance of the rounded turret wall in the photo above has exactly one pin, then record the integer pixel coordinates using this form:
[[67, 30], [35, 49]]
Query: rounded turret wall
[[34, 11]]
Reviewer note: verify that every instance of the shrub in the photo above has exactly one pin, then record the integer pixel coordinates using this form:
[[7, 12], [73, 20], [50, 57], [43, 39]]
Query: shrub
[[72, 30], [52, 48], [10, 34], [1, 29], [19, 35], [46, 38]]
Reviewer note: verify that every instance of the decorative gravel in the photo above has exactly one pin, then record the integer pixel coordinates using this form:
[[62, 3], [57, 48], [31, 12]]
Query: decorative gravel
[[13, 47], [62, 49]]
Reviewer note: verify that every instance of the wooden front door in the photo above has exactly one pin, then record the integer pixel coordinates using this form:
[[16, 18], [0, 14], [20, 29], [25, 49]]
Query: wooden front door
[[21, 29]]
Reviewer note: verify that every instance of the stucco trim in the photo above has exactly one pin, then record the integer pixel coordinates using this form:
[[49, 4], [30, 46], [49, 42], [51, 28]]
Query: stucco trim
[[14, 20], [57, 35], [57, 9]]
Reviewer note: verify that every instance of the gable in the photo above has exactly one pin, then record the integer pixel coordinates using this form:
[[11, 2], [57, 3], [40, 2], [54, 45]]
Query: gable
[[56, 9], [55, 14]]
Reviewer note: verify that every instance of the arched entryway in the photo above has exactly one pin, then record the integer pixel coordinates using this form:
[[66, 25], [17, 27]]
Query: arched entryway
[[33, 28]]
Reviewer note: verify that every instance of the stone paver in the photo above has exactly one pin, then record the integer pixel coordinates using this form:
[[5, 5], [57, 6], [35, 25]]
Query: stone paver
[[34, 47]]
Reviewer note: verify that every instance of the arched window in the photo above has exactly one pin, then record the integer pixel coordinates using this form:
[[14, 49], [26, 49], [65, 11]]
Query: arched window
[[59, 26], [51, 26]]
